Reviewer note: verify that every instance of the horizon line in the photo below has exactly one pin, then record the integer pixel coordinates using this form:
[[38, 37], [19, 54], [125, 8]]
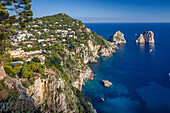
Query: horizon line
[[121, 22]]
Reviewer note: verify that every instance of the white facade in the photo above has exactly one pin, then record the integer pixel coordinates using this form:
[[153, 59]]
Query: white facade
[[40, 40]]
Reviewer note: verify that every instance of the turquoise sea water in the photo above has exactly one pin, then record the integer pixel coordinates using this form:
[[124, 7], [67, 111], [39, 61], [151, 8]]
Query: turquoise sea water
[[141, 81]]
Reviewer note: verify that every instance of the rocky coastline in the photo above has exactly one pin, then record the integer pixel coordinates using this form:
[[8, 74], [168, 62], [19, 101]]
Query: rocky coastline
[[58, 92]]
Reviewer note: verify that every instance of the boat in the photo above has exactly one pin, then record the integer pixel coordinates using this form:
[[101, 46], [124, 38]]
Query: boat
[[102, 99], [150, 50]]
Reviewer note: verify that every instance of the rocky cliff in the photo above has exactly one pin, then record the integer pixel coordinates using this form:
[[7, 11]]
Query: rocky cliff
[[58, 93], [14, 96], [62, 92], [117, 38], [146, 37]]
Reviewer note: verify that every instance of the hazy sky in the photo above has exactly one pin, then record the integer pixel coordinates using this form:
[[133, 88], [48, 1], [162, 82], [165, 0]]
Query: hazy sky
[[100, 11]]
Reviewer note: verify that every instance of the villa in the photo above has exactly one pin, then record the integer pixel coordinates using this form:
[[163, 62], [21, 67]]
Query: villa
[[40, 40], [16, 53], [29, 46], [50, 71], [88, 30]]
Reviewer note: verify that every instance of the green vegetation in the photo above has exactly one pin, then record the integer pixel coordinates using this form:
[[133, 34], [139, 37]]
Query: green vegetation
[[64, 41], [22, 14], [60, 90], [36, 59]]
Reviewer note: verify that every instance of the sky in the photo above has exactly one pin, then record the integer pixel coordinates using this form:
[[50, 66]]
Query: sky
[[106, 11]]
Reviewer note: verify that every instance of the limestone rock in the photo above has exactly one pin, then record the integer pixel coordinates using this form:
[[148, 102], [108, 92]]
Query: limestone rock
[[107, 52], [117, 38], [140, 39], [107, 83], [46, 90], [149, 36], [2, 73], [146, 37]]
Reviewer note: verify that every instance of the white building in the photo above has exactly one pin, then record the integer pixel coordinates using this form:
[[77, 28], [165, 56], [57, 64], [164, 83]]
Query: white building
[[46, 30], [64, 40], [82, 45], [69, 29], [35, 25], [39, 32], [40, 40], [44, 45], [39, 21], [29, 46], [33, 52], [70, 35]]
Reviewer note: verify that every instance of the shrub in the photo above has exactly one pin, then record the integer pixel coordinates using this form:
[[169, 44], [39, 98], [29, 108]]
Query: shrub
[[43, 76], [9, 71], [36, 59], [59, 90], [74, 90]]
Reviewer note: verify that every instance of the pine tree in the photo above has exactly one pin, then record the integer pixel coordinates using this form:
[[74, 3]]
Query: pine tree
[[21, 14]]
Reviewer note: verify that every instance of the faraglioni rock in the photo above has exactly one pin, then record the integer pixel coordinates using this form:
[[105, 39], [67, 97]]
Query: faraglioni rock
[[146, 37], [140, 39], [117, 38], [107, 83]]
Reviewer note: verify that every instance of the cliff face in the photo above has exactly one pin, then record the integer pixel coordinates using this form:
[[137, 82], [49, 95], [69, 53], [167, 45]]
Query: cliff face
[[117, 38], [49, 94], [14, 95], [90, 52], [2, 73], [146, 37]]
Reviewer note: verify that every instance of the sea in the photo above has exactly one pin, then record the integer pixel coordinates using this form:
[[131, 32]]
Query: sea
[[140, 78]]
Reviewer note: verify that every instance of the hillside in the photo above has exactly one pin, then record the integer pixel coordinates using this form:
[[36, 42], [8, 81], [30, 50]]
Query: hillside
[[49, 57]]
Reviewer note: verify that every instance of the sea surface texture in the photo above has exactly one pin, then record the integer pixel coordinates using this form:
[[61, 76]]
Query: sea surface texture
[[141, 79]]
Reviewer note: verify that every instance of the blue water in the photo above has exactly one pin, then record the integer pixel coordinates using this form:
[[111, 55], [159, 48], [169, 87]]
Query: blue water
[[141, 81]]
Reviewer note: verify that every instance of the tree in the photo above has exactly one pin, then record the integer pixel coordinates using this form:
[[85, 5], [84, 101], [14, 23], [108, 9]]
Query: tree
[[21, 15], [9, 71], [36, 59], [16, 69], [26, 74]]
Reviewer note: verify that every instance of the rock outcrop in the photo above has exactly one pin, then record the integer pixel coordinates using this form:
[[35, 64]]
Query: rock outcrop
[[146, 37], [88, 54], [140, 39], [107, 83], [2, 73], [117, 38], [46, 91]]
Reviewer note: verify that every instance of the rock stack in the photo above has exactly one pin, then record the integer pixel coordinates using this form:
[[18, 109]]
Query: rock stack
[[107, 83], [146, 37], [117, 38]]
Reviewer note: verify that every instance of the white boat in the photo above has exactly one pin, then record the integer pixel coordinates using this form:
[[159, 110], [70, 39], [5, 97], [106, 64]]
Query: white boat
[[136, 34], [102, 99], [150, 50]]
